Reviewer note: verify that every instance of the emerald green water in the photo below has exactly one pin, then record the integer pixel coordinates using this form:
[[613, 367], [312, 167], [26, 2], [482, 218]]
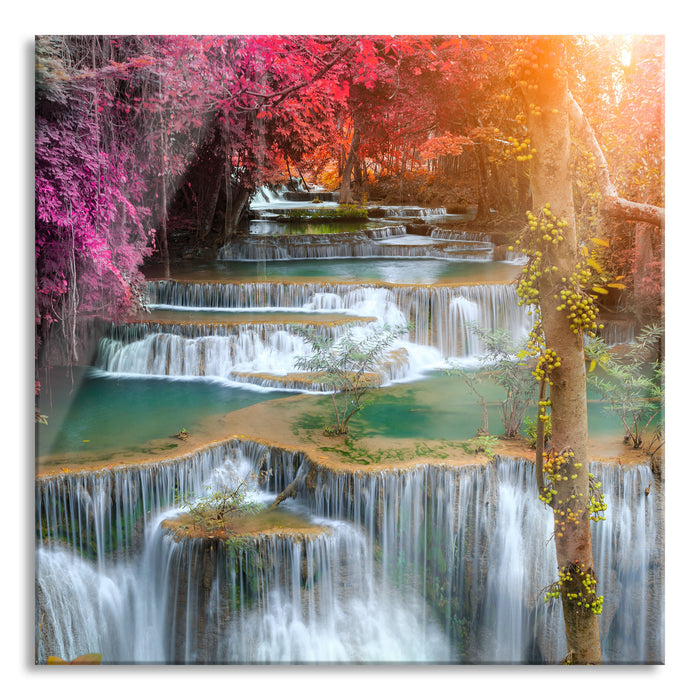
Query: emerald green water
[[391, 270], [97, 412], [112, 413], [442, 407]]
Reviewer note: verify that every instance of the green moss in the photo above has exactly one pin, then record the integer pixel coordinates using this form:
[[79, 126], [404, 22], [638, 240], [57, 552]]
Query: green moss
[[341, 213]]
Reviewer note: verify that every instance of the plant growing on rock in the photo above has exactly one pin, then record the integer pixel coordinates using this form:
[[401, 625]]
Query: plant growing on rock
[[349, 367], [212, 511]]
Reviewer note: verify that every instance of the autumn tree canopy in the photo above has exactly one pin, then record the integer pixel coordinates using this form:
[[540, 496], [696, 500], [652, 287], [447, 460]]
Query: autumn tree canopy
[[139, 138]]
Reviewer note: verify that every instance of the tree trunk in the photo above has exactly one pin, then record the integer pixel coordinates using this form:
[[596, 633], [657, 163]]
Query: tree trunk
[[165, 166], [164, 228], [209, 201], [345, 194], [523, 186], [238, 205], [483, 209], [642, 273], [548, 127]]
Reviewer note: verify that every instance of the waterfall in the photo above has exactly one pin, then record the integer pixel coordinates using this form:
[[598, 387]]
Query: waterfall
[[436, 322], [630, 566], [265, 354], [443, 234], [261, 354], [96, 513], [265, 196], [479, 540], [473, 540], [413, 211], [320, 602], [617, 332], [421, 564], [164, 354], [291, 246], [108, 578], [368, 243]]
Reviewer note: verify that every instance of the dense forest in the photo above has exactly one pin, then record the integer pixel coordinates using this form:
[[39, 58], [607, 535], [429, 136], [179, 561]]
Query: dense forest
[[149, 147]]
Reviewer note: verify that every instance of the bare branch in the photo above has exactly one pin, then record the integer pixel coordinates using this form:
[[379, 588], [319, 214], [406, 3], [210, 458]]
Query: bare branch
[[611, 203]]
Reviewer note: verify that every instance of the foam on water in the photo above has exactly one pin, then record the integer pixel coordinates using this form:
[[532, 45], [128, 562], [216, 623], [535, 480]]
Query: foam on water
[[416, 565]]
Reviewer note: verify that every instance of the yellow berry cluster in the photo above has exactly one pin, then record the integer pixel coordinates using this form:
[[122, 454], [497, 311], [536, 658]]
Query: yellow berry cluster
[[521, 150], [596, 500], [586, 597], [547, 225], [542, 407], [547, 362], [524, 67], [528, 287], [580, 305], [537, 60], [586, 164], [544, 227], [554, 469]]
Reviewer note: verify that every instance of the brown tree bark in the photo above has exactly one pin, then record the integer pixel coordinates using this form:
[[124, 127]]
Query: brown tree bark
[[550, 108], [548, 128], [345, 194]]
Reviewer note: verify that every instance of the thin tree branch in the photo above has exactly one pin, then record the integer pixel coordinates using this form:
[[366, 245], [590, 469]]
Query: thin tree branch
[[611, 203], [279, 96]]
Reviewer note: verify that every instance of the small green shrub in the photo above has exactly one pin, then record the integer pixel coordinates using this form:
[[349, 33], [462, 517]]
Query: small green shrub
[[348, 366], [531, 432], [212, 511], [632, 383], [498, 364]]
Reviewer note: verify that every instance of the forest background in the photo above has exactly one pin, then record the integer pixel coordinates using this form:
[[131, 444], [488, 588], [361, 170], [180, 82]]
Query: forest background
[[359, 17]]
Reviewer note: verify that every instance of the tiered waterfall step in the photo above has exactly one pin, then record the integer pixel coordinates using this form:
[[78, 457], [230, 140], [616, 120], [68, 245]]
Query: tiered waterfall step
[[388, 241], [440, 314], [257, 348]]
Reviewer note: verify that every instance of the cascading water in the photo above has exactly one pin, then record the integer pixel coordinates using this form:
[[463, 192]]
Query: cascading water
[[633, 584], [286, 247], [443, 234], [428, 564], [252, 353], [371, 243], [425, 564], [209, 356], [320, 602], [429, 308], [411, 211]]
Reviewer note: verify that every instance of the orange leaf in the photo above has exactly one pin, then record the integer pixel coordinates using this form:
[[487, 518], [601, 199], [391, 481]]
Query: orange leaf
[[87, 660], [55, 661]]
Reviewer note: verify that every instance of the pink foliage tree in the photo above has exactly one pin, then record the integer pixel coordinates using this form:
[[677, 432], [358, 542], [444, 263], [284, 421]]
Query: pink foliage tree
[[89, 215]]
